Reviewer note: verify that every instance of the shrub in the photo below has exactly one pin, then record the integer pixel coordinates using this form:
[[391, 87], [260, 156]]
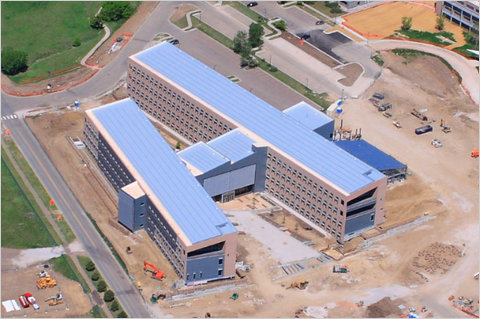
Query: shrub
[[95, 276], [101, 286], [114, 306], [178, 145], [281, 25], [108, 296], [116, 10], [406, 23], [243, 62], [440, 23], [239, 41], [76, 42], [90, 266], [96, 22], [273, 68], [122, 315], [13, 61]]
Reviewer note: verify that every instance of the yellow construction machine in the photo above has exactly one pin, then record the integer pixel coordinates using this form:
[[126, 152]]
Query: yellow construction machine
[[46, 282], [55, 300], [299, 284]]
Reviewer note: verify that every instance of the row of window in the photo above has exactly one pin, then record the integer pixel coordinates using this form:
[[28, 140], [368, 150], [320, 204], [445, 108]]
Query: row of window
[[162, 243]]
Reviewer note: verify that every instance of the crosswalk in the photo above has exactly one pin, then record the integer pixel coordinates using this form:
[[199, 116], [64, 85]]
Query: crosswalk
[[9, 117]]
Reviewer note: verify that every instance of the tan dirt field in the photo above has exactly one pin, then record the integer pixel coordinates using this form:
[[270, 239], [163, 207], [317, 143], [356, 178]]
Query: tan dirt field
[[18, 282], [384, 19]]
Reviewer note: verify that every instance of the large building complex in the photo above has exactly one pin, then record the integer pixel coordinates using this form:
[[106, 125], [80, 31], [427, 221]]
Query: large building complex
[[156, 192], [264, 149], [464, 13]]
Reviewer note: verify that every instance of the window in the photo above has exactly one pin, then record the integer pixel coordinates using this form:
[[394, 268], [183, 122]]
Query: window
[[220, 271], [220, 261], [372, 217], [194, 276], [200, 275]]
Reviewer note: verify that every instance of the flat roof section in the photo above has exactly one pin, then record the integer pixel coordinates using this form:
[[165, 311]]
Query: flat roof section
[[202, 157], [370, 154], [308, 115], [235, 145], [133, 190], [162, 171], [309, 148]]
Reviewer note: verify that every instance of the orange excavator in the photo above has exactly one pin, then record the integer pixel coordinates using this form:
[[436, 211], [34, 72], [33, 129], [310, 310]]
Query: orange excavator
[[156, 273], [475, 153]]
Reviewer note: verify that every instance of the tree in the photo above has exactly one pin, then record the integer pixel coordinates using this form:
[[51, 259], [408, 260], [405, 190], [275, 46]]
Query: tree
[[406, 23], [90, 266], [95, 276], [76, 42], [281, 25], [122, 315], [108, 296], [239, 41], [13, 61], [96, 22], [255, 33], [440, 23], [101, 286], [116, 10], [178, 145], [472, 36], [114, 306]]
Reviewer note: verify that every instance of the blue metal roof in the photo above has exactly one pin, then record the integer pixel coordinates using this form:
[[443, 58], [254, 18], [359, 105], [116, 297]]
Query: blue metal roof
[[235, 145], [261, 118], [308, 115], [163, 171], [370, 154], [202, 157]]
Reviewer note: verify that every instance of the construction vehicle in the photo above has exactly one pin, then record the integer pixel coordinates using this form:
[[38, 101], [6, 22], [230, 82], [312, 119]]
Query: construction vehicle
[[419, 115], [32, 301], [397, 124], [340, 269], [46, 282], [42, 274], [475, 153], [234, 296], [23, 301], [436, 143], [55, 300], [476, 275], [444, 126], [155, 297], [129, 250], [299, 284], [156, 273]]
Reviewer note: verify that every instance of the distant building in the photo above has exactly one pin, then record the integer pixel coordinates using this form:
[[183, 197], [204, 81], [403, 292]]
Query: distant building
[[353, 4], [242, 143], [156, 192], [464, 13]]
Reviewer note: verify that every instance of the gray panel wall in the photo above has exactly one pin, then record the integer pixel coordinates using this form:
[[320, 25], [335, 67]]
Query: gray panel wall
[[326, 130], [131, 212], [258, 158], [358, 222], [230, 181], [207, 266]]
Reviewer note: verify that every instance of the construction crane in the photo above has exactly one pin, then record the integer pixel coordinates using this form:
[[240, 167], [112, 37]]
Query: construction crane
[[55, 300], [45, 282], [156, 273], [299, 284]]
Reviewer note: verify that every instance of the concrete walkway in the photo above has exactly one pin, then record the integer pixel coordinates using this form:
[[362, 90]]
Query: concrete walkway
[[464, 67], [92, 51], [282, 247]]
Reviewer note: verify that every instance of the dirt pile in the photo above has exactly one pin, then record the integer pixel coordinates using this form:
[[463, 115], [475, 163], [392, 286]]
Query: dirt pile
[[383, 308], [437, 256]]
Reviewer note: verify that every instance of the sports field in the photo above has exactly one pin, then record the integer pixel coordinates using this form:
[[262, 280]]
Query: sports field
[[382, 21], [21, 227], [46, 31]]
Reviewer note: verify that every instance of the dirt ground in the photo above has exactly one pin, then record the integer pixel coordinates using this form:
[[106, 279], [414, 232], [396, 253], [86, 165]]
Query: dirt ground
[[383, 20], [16, 282], [351, 71], [181, 11]]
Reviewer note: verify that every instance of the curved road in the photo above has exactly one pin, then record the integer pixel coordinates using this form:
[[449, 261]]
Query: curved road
[[465, 67]]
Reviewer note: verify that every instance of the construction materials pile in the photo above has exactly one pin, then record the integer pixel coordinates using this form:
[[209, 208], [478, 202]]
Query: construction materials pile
[[383, 308], [466, 305], [437, 256]]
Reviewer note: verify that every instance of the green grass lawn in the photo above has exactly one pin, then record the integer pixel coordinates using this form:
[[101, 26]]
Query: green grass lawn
[[322, 7], [66, 267], [428, 36], [463, 49], [205, 28], [21, 226]]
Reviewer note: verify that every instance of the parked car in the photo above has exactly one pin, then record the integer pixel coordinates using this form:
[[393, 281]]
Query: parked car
[[252, 4], [305, 36], [379, 96], [174, 41], [319, 22], [436, 143], [423, 129]]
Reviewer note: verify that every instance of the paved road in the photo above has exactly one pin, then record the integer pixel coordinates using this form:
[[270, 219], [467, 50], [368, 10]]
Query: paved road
[[466, 68]]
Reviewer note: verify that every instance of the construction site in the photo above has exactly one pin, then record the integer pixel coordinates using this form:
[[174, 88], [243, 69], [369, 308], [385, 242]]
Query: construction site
[[421, 262]]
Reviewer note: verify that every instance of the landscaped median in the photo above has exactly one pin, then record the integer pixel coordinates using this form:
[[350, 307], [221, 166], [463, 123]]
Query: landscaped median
[[107, 294]]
